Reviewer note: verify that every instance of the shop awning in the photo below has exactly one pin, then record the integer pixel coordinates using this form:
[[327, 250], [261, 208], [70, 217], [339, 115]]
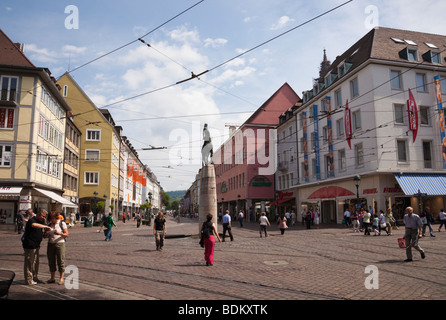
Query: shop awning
[[57, 198], [430, 184], [10, 191], [330, 193], [279, 201]]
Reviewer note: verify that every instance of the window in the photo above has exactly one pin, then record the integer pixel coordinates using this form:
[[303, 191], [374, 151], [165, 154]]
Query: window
[[6, 118], [359, 155], [93, 135], [427, 154], [354, 89], [435, 57], [91, 177], [5, 155], [356, 116], [338, 98], [9, 88], [65, 90], [401, 150], [395, 80], [412, 54], [92, 155], [421, 82], [399, 113], [342, 160], [340, 127], [325, 134], [424, 115]]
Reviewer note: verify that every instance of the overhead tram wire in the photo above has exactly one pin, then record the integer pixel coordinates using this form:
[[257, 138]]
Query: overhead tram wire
[[193, 75], [136, 40]]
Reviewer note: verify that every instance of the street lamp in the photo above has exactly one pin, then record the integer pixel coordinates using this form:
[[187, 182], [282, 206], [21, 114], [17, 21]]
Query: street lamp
[[357, 180], [150, 209]]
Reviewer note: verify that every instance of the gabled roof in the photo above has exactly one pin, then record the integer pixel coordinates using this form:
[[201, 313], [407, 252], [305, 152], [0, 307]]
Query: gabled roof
[[10, 53], [279, 102]]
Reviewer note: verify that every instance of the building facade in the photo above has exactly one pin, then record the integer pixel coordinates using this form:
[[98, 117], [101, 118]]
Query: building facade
[[99, 151], [32, 136], [245, 164], [370, 132]]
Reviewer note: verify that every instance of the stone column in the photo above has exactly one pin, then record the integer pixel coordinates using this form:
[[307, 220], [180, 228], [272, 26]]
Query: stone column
[[208, 195]]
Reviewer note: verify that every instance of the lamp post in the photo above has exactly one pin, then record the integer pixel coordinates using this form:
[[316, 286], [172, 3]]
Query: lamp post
[[357, 180], [150, 208]]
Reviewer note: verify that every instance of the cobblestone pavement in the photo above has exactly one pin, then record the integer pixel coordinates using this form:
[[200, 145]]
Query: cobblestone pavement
[[329, 263]]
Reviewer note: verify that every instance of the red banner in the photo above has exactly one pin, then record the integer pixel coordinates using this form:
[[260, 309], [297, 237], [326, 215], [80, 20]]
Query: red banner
[[413, 115], [348, 124]]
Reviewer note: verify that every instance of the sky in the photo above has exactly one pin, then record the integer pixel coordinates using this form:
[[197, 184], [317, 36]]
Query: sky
[[250, 48]]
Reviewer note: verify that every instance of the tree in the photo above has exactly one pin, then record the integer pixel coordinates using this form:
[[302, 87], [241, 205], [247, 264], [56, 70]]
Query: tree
[[166, 199]]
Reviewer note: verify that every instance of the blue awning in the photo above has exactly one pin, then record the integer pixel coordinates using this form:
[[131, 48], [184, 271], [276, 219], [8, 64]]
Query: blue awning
[[431, 184]]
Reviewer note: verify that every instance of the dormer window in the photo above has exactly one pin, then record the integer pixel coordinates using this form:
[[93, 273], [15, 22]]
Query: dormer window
[[410, 54], [432, 56]]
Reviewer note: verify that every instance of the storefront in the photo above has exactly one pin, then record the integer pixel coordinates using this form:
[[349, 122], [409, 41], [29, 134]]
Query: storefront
[[15, 199], [375, 191]]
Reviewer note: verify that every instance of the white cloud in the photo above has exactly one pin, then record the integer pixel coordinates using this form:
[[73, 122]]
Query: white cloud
[[281, 23], [215, 43]]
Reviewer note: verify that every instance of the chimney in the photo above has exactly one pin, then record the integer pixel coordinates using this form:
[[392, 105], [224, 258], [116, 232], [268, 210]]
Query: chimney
[[20, 46]]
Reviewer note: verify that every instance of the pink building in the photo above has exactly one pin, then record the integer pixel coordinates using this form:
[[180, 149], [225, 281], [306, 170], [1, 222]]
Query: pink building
[[245, 164]]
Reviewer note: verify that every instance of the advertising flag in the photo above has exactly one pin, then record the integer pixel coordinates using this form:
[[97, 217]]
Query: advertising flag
[[413, 115], [441, 114], [348, 125]]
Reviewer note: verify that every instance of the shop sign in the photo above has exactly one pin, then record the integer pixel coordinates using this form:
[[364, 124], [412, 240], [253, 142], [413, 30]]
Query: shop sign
[[260, 181]]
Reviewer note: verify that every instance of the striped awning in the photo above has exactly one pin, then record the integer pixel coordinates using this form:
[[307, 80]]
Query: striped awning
[[430, 184]]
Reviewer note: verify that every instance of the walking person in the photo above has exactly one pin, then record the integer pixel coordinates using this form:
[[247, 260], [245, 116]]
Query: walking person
[[442, 219], [19, 221], [227, 226], [138, 219], [366, 218], [355, 220], [309, 219], [209, 232], [263, 220], [413, 232], [31, 244], [109, 223], [282, 224], [382, 223], [427, 219], [159, 231], [240, 218], [347, 218], [56, 247]]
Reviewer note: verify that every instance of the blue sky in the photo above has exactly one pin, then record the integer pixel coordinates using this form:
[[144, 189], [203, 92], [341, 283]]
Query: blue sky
[[201, 39]]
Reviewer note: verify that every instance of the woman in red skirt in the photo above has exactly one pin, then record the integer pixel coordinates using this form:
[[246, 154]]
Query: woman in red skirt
[[208, 230]]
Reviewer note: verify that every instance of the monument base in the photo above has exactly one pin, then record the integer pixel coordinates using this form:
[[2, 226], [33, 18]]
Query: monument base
[[208, 195]]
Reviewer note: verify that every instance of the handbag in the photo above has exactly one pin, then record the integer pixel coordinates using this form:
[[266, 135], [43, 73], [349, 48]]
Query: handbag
[[402, 243]]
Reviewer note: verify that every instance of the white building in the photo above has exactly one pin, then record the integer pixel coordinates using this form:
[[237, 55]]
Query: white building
[[375, 76]]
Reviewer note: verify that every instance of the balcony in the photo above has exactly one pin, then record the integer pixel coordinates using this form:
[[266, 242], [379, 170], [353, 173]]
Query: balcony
[[282, 165]]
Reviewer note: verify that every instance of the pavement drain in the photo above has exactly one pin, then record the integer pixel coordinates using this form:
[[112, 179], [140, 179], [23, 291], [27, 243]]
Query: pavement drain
[[275, 262]]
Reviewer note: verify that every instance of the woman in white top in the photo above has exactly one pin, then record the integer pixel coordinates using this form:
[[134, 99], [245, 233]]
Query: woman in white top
[[263, 223], [56, 247]]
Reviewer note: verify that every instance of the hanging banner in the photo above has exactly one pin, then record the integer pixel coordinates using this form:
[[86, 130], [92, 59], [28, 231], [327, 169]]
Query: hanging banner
[[348, 124], [441, 114], [305, 142], [413, 115], [316, 142], [327, 102]]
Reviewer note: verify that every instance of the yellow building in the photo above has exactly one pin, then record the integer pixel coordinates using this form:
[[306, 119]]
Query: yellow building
[[32, 134], [99, 150]]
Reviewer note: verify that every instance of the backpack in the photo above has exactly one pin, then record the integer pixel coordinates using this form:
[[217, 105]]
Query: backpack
[[206, 231], [106, 222]]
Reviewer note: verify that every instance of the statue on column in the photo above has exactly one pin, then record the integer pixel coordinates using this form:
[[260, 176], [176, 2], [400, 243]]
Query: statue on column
[[206, 150]]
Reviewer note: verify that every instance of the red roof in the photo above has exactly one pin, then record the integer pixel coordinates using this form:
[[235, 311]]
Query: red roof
[[10, 53], [282, 100]]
